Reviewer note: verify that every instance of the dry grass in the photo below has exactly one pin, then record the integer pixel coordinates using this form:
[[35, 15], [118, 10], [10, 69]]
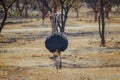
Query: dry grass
[[23, 55]]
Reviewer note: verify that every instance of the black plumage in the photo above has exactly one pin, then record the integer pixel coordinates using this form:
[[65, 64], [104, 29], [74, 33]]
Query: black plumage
[[56, 41]]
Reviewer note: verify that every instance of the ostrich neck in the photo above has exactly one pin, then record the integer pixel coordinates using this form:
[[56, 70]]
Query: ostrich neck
[[55, 23]]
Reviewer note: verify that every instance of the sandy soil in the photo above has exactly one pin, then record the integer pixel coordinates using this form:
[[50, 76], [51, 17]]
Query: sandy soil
[[23, 55]]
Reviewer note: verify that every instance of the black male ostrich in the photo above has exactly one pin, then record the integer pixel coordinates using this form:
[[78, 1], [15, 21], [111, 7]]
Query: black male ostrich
[[56, 42]]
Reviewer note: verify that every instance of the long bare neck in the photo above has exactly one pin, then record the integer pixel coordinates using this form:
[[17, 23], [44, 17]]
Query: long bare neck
[[55, 23]]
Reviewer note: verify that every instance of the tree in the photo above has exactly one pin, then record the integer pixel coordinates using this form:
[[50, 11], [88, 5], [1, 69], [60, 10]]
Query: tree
[[77, 4], [6, 4], [48, 5], [101, 18], [65, 8], [101, 7], [116, 3], [95, 5], [26, 8], [43, 9]]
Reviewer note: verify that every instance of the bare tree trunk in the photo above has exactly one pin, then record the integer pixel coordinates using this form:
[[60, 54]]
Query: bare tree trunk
[[3, 21], [95, 16], [43, 14], [77, 13], [26, 9], [77, 5], [103, 24], [95, 10]]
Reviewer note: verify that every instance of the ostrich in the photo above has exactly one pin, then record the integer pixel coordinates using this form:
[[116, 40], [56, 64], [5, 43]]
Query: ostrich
[[56, 42]]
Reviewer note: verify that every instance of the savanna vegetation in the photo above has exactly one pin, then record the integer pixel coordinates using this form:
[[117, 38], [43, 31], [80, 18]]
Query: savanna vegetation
[[92, 28]]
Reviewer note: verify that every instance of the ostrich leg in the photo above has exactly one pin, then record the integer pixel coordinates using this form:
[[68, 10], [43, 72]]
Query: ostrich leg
[[60, 66], [57, 59]]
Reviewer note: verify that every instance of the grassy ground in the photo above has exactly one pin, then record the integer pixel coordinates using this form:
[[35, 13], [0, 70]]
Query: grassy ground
[[23, 55]]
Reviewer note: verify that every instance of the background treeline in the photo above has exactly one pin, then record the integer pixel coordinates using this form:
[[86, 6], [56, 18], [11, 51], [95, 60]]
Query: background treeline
[[44, 8]]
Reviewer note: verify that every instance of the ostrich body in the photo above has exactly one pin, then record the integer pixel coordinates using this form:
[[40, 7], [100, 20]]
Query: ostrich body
[[56, 42]]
